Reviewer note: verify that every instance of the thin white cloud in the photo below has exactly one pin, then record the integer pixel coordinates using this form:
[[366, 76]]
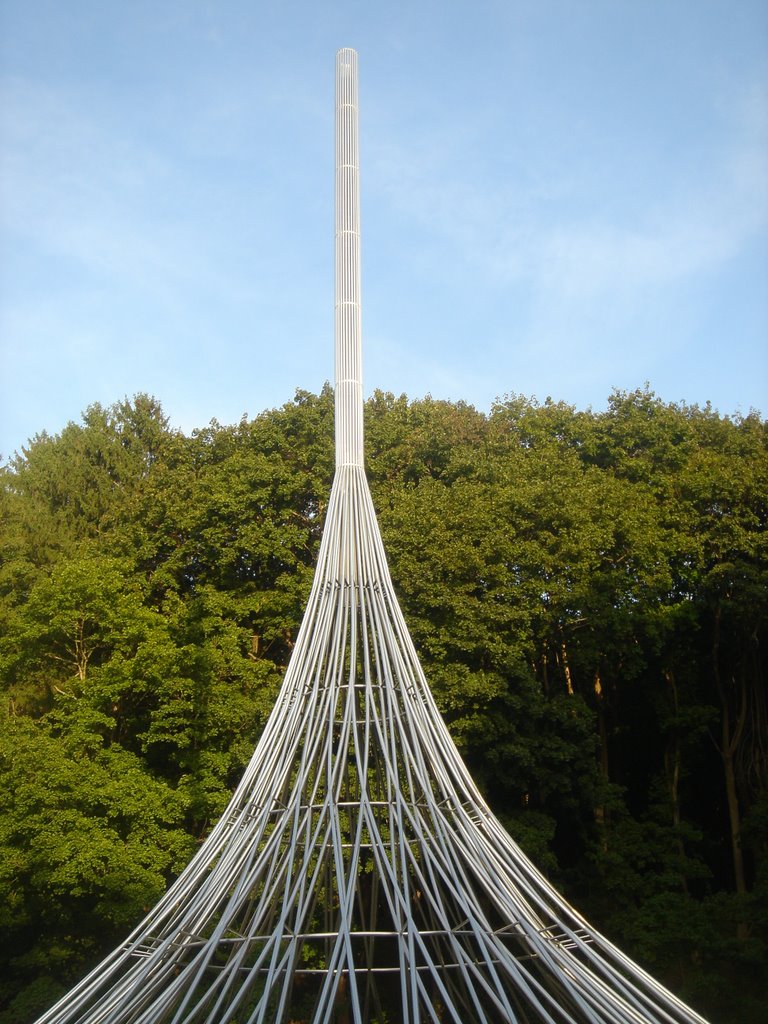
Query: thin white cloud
[[518, 232], [123, 213], [573, 295]]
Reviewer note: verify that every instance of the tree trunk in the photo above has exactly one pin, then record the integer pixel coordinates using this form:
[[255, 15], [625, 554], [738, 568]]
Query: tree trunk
[[601, 812], [672, 766], [566, 669], [730, 738]]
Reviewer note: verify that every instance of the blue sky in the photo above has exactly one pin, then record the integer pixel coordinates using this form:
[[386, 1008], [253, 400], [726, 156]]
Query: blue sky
[[558, 198]]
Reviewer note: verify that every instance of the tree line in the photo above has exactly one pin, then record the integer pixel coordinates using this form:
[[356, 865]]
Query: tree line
[[587, 592]]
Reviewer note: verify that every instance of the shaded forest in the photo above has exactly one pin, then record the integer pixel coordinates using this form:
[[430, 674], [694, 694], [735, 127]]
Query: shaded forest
[[588, 594]]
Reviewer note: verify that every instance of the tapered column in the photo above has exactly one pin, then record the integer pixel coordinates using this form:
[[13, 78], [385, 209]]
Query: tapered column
[[348, 348]]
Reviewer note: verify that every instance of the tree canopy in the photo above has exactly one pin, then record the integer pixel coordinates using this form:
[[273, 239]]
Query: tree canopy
[[587, 591]]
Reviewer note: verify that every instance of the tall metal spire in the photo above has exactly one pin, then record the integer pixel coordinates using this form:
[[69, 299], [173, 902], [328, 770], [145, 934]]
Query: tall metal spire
[[348, 335], [357, 875]]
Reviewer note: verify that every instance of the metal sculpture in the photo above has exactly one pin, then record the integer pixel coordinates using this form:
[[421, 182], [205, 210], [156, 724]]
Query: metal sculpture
[[357, 874]]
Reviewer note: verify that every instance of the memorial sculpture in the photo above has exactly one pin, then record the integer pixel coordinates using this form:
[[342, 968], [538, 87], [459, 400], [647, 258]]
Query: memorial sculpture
[[357, 875]]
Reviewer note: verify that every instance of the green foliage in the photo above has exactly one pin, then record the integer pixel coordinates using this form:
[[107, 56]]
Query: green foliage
[[587, 592], [88, 842]]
